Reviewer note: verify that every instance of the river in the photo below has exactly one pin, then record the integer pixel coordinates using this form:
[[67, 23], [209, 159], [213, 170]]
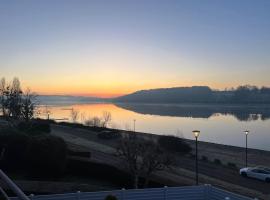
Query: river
[[221, 124]]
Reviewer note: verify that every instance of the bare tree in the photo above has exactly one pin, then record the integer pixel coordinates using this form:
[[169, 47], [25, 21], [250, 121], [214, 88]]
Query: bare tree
[[142, 157], [16, 104], [82, 117], [16, 86], [14, 98], [74, 114], [11, 98], [29, 105], [106, 118], [88, 122], [2, 96], [96, 121]]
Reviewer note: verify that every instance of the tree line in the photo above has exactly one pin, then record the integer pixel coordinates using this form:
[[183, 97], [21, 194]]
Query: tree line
[[25, 142], [102, 121], [15, 103], [200, 94]]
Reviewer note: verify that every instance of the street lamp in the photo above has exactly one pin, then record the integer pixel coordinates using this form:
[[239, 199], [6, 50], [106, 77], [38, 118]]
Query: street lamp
[[134, 124], [47, 112], [196, 135], [246, 133]]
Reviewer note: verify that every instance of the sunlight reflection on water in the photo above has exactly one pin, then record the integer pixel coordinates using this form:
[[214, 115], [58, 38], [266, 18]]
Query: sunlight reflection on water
[[225, 128]]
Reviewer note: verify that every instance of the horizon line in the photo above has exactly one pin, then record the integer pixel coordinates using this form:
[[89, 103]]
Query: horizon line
[[110, 95]]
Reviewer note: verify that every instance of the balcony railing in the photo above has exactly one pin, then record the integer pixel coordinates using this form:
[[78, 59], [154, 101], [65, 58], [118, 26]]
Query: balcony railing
[[202, 192], [12, 186]]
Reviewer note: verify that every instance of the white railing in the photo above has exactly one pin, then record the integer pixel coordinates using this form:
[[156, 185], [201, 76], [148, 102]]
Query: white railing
[[202, 192], [217, 194], [12, 186]]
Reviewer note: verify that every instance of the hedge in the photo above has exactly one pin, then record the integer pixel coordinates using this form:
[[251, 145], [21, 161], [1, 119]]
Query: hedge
[[174, 144]]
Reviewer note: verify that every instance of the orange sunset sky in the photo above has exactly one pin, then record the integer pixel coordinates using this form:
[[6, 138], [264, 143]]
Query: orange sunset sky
[[111, 48]]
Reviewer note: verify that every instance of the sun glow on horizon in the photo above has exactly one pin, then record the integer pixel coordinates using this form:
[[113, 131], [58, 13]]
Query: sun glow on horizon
[[113, 91], [89, 48]]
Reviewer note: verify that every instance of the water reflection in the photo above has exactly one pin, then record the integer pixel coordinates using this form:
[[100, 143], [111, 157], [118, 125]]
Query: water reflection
[[218, 124], [242, 113]]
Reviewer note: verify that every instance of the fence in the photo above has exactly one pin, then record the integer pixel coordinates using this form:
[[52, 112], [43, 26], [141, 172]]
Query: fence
[[217, 194], [203, 192]]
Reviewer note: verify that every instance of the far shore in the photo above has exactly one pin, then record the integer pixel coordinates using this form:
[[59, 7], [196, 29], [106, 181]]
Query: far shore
[[109, 101]]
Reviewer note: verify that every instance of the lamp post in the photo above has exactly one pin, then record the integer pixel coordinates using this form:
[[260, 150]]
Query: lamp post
[[246, 133], [196, 134], [134, 125], [47, 112]]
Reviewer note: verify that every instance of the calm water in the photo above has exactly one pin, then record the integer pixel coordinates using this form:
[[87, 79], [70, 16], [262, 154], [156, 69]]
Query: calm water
[[218, 124]]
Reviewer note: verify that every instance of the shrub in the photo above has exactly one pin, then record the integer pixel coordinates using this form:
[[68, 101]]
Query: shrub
[[73, 125], [217, 161], [13, 147], [110, 197], [173, 144], [231, 165], [83, 126], [99, 171], [34, 127], [192, 156], [94, 122], [109, 135], [97, 129], [84, 154], [44, 154], [205, 158], [47, 155]]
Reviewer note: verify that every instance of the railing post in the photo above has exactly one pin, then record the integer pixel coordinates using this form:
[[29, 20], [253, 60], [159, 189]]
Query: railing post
[[31, 196], [4, 194], [78, 195], [13, 186], [207, 191], [165, 192], [123, 193]]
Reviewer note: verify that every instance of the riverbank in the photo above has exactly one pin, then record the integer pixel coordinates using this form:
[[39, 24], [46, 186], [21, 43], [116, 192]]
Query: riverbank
[[225, 153], [207, 151], [232, 154], [219, 174], [218, 123]]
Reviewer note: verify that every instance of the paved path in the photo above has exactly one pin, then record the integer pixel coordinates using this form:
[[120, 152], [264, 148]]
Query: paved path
[[74, 136]]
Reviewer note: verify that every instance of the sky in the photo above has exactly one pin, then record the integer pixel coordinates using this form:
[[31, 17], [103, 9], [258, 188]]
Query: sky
[[115, 47]]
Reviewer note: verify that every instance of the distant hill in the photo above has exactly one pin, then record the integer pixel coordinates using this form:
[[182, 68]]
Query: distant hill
[[169, 95], [199, 94]]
